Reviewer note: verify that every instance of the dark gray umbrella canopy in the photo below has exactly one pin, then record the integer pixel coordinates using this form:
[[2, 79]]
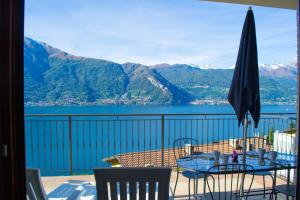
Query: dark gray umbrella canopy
[[244, 93]]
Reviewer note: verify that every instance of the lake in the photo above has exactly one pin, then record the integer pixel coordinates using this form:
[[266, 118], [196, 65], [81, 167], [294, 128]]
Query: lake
[[126, 109], [57, 143]]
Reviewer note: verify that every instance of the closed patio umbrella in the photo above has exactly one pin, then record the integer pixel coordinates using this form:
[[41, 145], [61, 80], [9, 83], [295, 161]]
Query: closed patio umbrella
[[244, 93]]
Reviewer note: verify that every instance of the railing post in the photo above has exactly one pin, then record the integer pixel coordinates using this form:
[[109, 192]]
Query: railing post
[[162, 140], [70, 145]]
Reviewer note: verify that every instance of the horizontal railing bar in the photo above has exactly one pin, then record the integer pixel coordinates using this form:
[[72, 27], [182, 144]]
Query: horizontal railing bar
[[210, 119], [45, 120], [115, 115], [148, 119]]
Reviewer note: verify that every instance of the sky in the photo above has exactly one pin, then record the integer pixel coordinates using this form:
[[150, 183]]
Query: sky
[[150, 32]]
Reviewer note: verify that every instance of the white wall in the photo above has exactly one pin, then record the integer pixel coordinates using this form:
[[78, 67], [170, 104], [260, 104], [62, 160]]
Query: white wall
[[285, 143]]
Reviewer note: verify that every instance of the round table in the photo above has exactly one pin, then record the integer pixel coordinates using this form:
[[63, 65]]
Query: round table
[[201, 163]]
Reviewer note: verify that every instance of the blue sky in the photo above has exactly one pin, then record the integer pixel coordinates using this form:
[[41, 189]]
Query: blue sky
[[159, 31]]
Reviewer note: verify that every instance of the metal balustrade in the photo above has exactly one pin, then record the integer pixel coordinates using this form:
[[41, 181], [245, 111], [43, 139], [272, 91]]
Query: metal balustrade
[[70, 144]]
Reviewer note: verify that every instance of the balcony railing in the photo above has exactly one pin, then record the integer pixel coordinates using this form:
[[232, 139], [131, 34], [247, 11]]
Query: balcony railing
[[75, 144]]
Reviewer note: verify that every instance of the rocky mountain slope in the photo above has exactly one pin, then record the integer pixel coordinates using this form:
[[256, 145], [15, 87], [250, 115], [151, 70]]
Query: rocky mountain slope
[[55, 77]]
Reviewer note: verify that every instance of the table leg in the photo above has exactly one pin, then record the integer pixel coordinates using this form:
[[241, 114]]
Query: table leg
[[288, 181], [196, 187], [242, 185], [274, 182], [204, 186]]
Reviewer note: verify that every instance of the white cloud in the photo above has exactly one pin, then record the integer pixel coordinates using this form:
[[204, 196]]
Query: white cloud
[[166, 31]]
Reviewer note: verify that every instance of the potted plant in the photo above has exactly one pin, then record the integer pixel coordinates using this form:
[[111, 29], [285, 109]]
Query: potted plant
[[270, 137], [292, 127]]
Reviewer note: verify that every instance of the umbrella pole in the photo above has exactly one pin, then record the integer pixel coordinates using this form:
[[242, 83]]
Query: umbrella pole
[[245, 129]]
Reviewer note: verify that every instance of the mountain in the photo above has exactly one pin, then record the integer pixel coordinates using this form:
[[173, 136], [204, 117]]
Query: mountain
[[201, 83], [288, 71], [278, 85], [148, 84], [54, 77]]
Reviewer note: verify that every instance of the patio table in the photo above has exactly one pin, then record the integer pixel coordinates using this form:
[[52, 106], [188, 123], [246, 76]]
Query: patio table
[[201, 164]]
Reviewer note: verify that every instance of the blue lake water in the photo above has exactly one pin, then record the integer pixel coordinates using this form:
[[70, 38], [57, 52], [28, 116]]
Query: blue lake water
[[49, 139]]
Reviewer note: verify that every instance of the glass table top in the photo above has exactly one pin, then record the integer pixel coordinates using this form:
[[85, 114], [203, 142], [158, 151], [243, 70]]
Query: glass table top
[[201, 163]]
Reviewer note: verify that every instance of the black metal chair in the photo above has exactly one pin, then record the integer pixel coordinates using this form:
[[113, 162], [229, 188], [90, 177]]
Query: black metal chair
[[257, 143], [133, 181], [181, 150], [289, 190], [230, 182]]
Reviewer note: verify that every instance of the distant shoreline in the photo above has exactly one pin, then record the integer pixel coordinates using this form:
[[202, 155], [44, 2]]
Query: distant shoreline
[[194, 103], [149, 109]]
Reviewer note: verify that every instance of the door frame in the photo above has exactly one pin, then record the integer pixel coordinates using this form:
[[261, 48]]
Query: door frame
[[12, 135]]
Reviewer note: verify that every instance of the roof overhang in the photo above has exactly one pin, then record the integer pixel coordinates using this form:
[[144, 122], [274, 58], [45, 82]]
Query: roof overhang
[[286, 4]]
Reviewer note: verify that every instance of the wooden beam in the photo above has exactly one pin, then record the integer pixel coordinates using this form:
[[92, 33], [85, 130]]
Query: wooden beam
[[286, 4]]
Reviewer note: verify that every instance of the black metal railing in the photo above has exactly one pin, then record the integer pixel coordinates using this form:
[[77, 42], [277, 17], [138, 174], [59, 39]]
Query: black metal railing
[[75, 144]]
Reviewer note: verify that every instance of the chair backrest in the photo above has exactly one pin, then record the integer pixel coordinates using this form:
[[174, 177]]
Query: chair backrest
[[133, 181], [184, 147], [257, 142], [225, 182], [34, 186]]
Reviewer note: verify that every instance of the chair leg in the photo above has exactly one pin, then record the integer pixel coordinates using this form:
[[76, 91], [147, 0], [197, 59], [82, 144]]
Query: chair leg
[[264, 183], [176, 183], [213, 183], [189, 188], [194, 187], [197, 184], [271, 194]]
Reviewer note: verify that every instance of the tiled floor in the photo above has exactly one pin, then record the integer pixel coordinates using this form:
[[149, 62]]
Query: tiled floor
[[181, 192]]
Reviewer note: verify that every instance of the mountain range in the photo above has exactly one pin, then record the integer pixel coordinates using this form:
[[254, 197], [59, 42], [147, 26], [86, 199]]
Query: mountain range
[[54, 77]]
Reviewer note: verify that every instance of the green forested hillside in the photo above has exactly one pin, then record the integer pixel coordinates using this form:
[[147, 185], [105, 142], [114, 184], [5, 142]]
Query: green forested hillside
[[53, 77], [214, 83]]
